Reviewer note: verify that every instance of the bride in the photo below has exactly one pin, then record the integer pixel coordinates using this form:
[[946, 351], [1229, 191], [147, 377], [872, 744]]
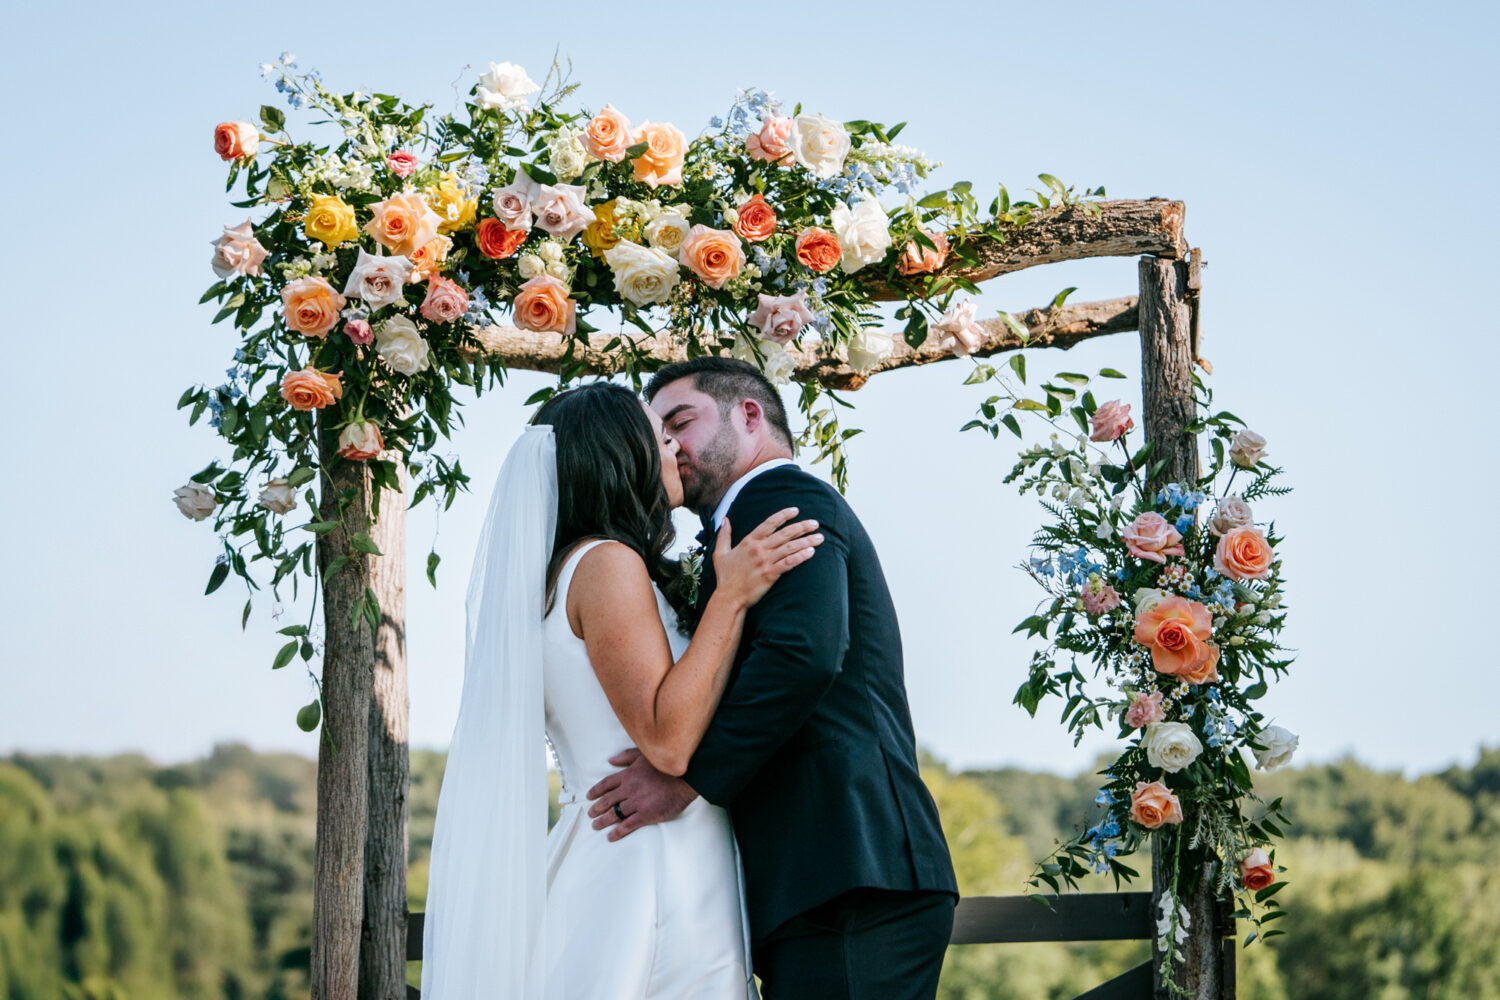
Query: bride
[[570, 630]]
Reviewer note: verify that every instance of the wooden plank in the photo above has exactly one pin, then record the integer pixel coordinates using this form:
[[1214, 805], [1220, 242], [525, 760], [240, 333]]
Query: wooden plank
[[1103, 916], [1132, 985]]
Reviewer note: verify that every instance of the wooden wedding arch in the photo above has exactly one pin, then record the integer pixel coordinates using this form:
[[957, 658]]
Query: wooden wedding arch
[[363, 934]]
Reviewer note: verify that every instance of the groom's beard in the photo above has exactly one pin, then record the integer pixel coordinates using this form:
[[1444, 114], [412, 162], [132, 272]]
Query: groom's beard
[[712, 471]]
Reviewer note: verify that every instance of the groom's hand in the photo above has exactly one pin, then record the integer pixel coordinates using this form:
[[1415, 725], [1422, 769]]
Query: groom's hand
[[644, 795]]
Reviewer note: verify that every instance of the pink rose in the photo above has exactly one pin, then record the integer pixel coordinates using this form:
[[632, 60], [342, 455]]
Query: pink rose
[[238, 252], [359, 331], [446, 302], [1144, 710], [1101, 600], [513, 203], [402, 163], [961, 334], [1232, 512], [781, 317], [1150, 536], [1111, 421], [769, 145], [560, 210], [360, 441]]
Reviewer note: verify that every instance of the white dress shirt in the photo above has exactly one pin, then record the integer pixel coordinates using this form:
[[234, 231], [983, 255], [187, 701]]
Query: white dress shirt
[[739, 484]]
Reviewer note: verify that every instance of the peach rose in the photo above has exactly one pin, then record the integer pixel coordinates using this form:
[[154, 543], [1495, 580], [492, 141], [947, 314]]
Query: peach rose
[[756, 220], [359, 331], [446, 302], [311, 389], [919, 259], [1111, 421], [1153, 805], [666, 148], [769, 144], [1256, 871], [543, 305], [1144, 710], [360, 441], [1151, 536], [403, 223], [712, 254], [312, 306], [402, 163], [496, 241], [1176, 630], [429, 258], [236, 140], [818, 249], [607, 135], [1244, 554]]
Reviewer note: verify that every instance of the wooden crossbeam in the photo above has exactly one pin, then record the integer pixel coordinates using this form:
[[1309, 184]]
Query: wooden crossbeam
[[1101, 916]]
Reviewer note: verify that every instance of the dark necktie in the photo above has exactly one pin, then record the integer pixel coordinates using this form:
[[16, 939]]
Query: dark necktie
[[706, 536]]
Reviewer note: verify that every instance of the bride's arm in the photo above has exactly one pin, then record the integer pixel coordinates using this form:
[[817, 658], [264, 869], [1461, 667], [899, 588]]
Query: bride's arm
[[666, 708]]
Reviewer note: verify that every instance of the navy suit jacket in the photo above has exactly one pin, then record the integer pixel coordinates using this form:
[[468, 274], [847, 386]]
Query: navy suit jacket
[[811, 748]]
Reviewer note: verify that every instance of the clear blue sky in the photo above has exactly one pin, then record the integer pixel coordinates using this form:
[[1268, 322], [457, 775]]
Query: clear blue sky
[[1337, 161]]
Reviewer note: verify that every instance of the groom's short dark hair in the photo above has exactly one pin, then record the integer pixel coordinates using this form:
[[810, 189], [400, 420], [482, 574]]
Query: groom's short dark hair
[[727, 380]]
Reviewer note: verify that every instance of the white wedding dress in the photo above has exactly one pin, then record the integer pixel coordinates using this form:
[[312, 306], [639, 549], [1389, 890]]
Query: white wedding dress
[[657, 915]]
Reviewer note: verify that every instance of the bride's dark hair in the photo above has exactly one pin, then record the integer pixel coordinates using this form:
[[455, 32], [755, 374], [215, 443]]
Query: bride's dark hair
[[608, 479]]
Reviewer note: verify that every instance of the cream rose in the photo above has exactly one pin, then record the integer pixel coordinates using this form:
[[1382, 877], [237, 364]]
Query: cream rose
[[1171, 746], [378, 280], [567, 155], [868, 348], [863, 232], [668, 229], [1232, 512], [1247, 449], [195, 500], [1277, 744], [400, 343], [560, 210], [779, 365], [819, 144], [238, 252], [505, 88], [278, 496], [1147, 598], [643, 275]]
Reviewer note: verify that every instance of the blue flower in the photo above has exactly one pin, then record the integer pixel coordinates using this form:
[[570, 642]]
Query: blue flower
[[716, 122], [1104, 798], [1171, 494], [1184, 522]]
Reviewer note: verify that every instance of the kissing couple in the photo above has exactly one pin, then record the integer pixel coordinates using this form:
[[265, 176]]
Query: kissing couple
[[745, 800]]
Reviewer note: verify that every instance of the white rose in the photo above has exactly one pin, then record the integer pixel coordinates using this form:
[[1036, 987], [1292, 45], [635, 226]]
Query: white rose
[[668, 229], [551, 251], [819, 144], [530, 265], [1246, 449], [377, 280], [558, 270], [279, 497], [868, 348], [505, 87], [744, 349], [1279, 745], [779, 364], [1171, 746], [1232, 512], [1147, 598], [401, 344], [195, 500], [238, 252], [568, 157], [642, 275], [863, 232]]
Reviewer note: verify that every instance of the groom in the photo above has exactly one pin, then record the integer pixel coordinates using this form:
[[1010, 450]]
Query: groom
[[849, 884]]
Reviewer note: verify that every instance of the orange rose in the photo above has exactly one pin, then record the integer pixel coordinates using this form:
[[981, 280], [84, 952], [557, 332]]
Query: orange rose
[[1176, 630], [607, 135], [1256, 871], [920, 259], [543, 305], [1153, 805], [712, 254], [1244, 554], [311, 389], [756, 221], [429, 258], [312, 306], [666, 148], [236, 140], [818, 249], [403, 223], [360, 441], [496, 241]]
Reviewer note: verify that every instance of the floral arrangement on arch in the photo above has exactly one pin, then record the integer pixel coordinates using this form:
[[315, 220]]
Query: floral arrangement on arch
[[368, 279], [1164, 609]]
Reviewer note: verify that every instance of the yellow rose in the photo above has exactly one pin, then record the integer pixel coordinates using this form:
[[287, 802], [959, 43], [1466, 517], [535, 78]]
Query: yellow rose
[[453, 205], [330, 221], [599, 235]]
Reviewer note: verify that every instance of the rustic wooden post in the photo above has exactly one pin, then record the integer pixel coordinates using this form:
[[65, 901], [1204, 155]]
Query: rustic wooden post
[[343, 788], [382, 954], [1167, 358]]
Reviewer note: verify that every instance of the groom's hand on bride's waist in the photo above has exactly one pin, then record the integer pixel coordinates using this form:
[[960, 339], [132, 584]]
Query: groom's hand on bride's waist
[[636, 796]]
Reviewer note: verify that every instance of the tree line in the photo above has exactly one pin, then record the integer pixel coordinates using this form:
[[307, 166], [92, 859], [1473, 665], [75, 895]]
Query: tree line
[[121, 879]]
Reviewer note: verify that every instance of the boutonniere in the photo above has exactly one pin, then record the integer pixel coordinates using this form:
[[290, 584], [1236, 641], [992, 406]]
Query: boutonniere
[[692, 572]]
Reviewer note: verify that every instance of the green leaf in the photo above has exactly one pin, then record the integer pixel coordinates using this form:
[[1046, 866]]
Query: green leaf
[[297, 630], [432, 564], [308, 716], [1110, 373], [274, 118], [1062, 297], [333, 567], [320, 527], [1018, 365], [245, 615], [365, 544], [285, 654], [217, 577], [1074, 378], [1010, 421], [300, 476]]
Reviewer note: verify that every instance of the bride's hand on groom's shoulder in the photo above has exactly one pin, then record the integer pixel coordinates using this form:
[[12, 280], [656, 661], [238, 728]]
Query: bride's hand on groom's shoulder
[[636, 796], [747, 570]]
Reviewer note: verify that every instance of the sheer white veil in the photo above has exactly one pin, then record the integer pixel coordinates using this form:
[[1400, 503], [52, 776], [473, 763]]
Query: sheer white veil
[[486, 886]]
